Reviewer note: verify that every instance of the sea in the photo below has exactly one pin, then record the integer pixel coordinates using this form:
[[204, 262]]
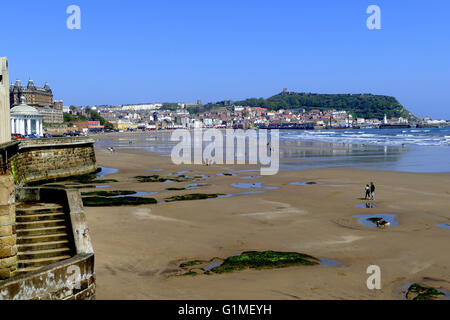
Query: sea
[[406, 150]]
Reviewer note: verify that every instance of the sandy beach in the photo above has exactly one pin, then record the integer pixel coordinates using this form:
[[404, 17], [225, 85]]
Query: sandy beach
[[138, 248]]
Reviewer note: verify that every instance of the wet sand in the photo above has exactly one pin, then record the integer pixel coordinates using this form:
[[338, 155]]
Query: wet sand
[[138, 249]]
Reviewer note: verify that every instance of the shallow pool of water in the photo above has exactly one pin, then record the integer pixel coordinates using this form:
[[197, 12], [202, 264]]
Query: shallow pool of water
[[363, 219], [306, 183], [106, 171], [329, 263], [200, 176], [213, 265], [101, 187], [256, 185], [183, 172], [444, 225], [367, 205], [251, 177], [239, 194]]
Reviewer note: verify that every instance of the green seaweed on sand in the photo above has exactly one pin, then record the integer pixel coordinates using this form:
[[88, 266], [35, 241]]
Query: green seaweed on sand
[[249, 260], [175, 189], [191, 263], [418, 292], [265, 260], [228, 174], [157, 178], [153, 178], [69, 186], [311, 182], [88, 178], [115, 202], [109, 193], [104, 181], [193, 196], [187, 274]]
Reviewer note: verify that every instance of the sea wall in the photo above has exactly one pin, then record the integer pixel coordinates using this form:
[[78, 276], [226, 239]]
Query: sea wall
[[71, 279], [8, 248], [54, 158]]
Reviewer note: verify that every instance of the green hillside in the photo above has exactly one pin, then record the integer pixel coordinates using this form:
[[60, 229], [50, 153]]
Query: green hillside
[[359, 105]]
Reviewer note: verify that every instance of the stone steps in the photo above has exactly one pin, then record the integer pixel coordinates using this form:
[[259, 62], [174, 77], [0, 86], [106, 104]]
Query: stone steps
[[40, 231], [42, 245], [40, 262], [41, 254], [40, 224], [38, 208], [42, 236], [40, 217], [26, 270]]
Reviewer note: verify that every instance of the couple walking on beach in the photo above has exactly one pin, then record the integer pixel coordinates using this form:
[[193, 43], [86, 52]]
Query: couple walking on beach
[[370, 192]]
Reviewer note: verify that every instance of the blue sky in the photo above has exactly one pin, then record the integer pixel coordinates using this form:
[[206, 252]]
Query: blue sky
[[141, 50]]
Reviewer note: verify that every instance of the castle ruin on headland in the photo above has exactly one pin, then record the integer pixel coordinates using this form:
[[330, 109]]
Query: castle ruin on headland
[[45, 246]]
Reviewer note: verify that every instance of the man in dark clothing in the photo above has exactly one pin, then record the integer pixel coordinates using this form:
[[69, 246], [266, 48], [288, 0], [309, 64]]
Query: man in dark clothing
[[372, 191], [367, 192]]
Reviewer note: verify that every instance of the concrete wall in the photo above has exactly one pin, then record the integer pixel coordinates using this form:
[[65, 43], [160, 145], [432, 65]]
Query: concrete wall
[[71, 279], [45, 159], [5, 119]]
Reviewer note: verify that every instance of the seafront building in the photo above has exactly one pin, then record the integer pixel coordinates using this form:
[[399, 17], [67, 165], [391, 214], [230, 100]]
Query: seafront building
[[26, 120], [40, 98], [34, 96]]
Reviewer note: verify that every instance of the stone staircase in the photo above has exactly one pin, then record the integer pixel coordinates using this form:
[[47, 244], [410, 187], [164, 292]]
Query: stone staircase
[[42, 236]]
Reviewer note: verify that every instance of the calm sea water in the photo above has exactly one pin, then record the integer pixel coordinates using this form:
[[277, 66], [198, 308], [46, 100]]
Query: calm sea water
[[410, 150]]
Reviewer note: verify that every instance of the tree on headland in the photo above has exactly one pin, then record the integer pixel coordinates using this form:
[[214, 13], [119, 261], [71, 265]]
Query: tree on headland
[[359, 105]]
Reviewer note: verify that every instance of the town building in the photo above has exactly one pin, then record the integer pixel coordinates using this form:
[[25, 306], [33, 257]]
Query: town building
[[34, 96], [39, 98], [51, 115]]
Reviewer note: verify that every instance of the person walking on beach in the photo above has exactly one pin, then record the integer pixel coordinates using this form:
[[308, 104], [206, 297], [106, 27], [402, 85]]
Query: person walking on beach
[[372, 191], [367, 192]]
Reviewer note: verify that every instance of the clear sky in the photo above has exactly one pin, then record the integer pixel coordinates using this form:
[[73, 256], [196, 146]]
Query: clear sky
[[139, 51]]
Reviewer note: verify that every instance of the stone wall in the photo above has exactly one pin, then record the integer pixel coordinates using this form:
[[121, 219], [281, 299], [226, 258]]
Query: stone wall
[[8, 248], [71, 279], [46, 159]]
